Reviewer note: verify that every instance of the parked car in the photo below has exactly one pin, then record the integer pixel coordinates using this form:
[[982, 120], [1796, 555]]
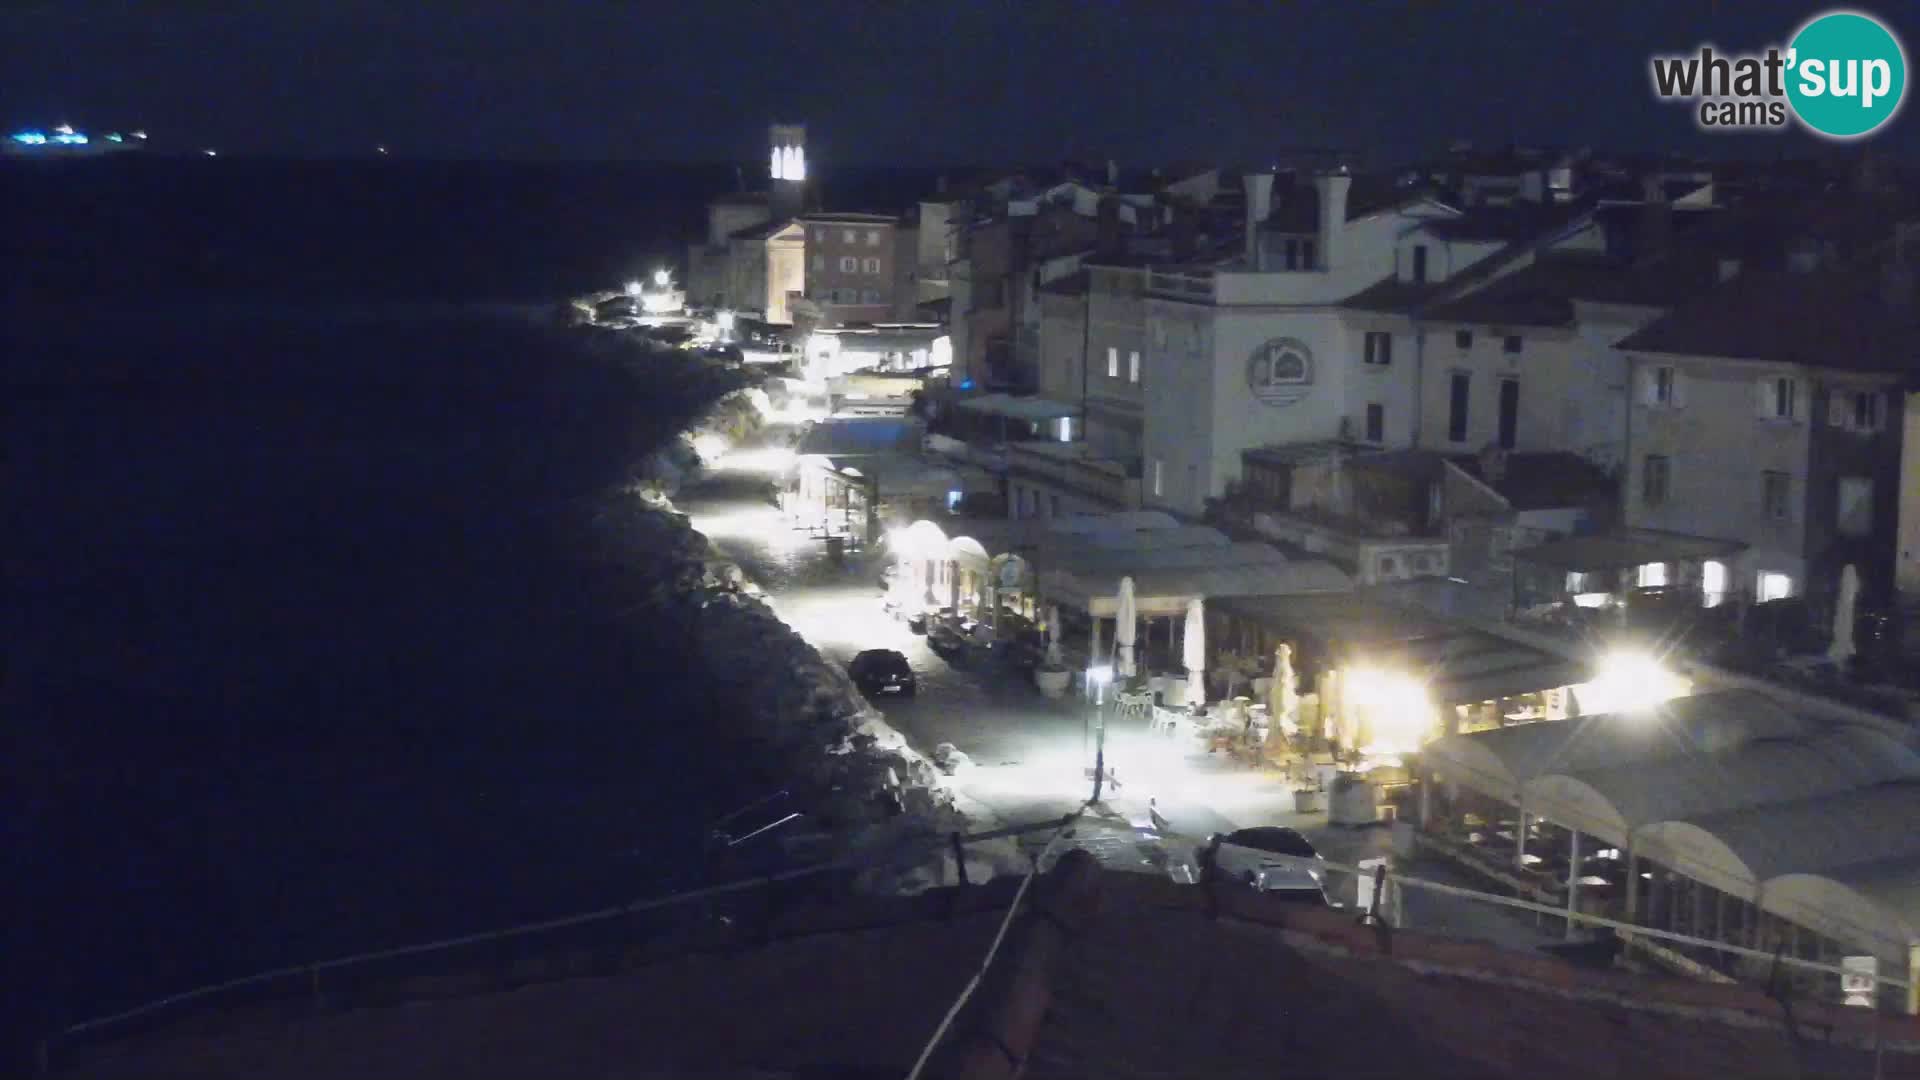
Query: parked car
[[883, 671], [1270, 858]]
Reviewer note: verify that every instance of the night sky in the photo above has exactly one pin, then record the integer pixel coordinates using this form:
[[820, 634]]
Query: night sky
[[912, 83]]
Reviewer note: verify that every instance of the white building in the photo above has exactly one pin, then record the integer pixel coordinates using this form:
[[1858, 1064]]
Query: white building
[[1257, 351]]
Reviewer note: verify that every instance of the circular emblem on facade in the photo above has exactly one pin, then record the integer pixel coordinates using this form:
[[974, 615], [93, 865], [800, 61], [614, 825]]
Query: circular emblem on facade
[[1280, 372]]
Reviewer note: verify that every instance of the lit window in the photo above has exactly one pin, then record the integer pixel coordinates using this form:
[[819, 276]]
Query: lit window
[[1158, 471], [848, 236], [1773, 586], [1066, 429], [1113, 362], [873, 237], [1713, 582], [1133, 366], [1775, 501], [1651, 575]]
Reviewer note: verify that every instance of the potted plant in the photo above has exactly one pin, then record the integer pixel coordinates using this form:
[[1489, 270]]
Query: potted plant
[[1306, 797], [1052, 676]]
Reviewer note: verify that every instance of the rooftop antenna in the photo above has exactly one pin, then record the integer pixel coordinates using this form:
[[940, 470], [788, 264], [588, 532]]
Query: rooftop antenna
[[740, 177]]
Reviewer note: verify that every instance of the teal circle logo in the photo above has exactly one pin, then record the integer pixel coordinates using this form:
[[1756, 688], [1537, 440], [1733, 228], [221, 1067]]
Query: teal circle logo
[[1847, 74]]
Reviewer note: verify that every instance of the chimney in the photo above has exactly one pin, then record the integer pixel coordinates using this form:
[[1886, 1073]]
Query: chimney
[[1259, 188], [1332, 189], [1729, 269], [1113, 174]]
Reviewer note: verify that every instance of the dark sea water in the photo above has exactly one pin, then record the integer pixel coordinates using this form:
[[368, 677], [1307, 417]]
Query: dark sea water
[[303, 651]]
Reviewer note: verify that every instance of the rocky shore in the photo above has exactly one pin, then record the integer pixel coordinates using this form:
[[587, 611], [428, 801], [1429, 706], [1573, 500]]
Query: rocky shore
[[790, 717]]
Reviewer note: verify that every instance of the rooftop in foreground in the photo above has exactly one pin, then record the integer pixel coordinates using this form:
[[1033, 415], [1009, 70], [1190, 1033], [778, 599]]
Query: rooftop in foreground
[[1145, 978]]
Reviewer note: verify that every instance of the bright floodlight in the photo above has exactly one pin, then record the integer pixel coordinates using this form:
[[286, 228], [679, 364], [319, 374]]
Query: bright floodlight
[[1100, 676], [1630, 681], [63, 129], [633, 288], [724, 319], [662, 278], [711, 448]]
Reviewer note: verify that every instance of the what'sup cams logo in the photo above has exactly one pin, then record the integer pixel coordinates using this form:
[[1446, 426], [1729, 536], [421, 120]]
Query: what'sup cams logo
[[1843, 75]]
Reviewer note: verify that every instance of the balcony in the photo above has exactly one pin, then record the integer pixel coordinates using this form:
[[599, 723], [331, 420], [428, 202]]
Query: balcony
[[1075, 467]]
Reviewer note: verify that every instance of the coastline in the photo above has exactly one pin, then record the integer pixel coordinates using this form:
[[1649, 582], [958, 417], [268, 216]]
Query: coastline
[[799, 722]]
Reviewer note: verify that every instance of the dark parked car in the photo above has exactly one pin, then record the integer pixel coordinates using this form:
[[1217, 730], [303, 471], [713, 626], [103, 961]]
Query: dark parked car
[[883, 671]]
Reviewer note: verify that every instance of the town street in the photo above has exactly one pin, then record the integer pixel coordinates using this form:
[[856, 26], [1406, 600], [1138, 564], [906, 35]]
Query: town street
[[1029, 756]]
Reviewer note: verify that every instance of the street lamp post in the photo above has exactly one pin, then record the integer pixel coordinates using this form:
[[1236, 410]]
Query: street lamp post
[[1097, 680]]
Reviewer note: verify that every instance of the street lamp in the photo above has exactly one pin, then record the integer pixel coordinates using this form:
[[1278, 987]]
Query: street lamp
[[662, 278], [633, 288], [1097, 680]]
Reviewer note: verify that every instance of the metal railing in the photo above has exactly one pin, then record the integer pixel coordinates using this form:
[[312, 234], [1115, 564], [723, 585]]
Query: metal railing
[[310, 977]]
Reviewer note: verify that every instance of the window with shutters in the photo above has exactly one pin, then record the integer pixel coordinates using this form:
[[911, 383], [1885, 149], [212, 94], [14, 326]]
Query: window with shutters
[[1779, 398], [1855, 514], [1656, 476], [1776, 495], [1854, 410], [873, 237], [1663, 387], [849, 264], [1457, 397], [1379, 348]]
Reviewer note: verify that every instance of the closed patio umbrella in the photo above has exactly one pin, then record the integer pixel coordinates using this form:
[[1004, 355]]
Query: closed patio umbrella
[[1842, 648], [1124, 622], [1054, 659], [1195, 653]]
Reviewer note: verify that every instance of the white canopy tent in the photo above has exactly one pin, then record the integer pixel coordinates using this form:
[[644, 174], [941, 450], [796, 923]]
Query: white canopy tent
[[1812, 821]]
